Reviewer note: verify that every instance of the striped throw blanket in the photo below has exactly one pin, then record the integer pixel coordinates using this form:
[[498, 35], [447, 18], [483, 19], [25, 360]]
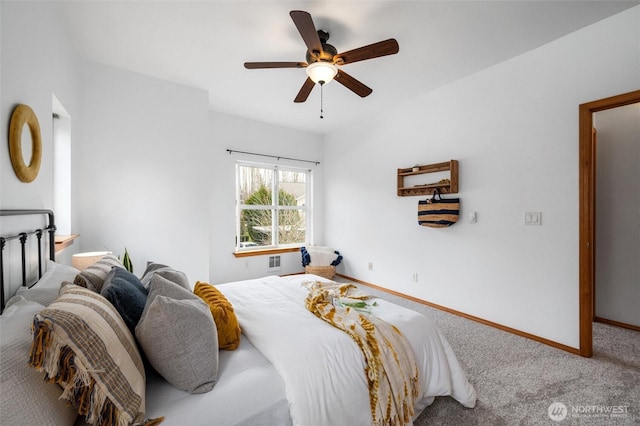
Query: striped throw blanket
[[390, 367], [81, 342]]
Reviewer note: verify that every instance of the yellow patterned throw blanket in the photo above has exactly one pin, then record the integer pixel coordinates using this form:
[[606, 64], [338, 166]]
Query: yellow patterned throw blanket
[[390, 367]]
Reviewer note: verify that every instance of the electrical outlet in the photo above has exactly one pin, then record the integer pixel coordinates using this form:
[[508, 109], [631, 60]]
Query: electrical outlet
[[533, 218], [414, 278], [246, 264], [371, 266]]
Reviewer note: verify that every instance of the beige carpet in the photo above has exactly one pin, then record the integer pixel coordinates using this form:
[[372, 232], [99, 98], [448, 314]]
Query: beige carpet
[[517, 379]]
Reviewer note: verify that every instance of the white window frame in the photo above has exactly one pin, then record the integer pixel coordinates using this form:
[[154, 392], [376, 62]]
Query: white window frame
[[307, 208]]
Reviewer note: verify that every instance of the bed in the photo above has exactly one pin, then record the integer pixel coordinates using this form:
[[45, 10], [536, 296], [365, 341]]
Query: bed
[[289, 367]]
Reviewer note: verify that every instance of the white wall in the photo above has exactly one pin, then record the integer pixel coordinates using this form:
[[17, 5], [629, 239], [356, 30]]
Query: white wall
[[231, 132], [142, 169], [149, 166], [514, 129], [155, 156], [37, 61], [618, 214]]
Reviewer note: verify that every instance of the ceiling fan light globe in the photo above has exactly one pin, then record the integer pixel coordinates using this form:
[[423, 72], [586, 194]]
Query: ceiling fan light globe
[[322, 72]]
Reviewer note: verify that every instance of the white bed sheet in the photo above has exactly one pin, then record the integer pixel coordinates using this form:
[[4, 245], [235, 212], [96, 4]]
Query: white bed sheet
[[322, 368], [249, 391]]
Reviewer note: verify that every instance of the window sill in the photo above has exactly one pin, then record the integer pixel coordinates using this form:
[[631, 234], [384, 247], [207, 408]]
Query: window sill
[[64, 241], [262, 252]]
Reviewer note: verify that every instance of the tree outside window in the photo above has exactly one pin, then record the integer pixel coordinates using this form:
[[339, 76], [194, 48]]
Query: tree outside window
[[272, 206]]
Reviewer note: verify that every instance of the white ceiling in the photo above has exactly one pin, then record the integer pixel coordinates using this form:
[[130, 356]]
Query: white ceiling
[[205, 43]]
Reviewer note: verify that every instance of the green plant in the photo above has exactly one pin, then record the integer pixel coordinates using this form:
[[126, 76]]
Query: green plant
[[126, 261]]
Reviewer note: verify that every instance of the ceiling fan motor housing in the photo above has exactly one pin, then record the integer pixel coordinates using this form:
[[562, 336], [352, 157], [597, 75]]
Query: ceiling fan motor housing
[[328, 51]]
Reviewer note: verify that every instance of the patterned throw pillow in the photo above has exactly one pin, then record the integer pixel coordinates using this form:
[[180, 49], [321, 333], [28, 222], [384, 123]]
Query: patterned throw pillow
[[179, 337], [223, 315], [82, 344], [93, 276]]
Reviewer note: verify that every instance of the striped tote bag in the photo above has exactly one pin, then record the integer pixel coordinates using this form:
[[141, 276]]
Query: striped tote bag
[[438, 212]]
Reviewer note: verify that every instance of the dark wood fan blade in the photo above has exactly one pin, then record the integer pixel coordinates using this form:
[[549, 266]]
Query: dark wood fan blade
[[307, 30], [259, 65], [352, 84], [306, 88], [375, 50]]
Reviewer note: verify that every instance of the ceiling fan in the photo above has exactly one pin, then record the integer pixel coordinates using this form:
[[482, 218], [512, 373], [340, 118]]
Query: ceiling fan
[[323, 59]]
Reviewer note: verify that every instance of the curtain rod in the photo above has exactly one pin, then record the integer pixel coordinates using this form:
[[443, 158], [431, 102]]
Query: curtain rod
[[231, 151]]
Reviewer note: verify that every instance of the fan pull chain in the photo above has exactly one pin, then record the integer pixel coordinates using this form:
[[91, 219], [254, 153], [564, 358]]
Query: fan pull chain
[[321, 98]]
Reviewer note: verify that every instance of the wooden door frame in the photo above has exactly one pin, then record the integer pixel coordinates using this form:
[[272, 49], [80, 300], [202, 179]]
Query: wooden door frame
[[587, 211]]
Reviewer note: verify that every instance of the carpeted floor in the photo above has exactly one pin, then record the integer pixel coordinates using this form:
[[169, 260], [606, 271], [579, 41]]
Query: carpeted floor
[[518, 379]]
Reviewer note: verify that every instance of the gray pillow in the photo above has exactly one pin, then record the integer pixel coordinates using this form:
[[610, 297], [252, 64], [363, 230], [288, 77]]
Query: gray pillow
[[165, 271], [178, 336]]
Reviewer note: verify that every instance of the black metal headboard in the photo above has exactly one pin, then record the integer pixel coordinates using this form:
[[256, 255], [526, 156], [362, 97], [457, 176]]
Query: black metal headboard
[[23, 237]]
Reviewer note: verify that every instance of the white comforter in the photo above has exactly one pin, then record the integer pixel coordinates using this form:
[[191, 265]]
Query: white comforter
[[322, 367]]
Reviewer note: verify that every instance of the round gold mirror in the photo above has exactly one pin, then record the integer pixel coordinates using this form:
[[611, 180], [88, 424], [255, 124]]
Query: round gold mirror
[[22, 115]]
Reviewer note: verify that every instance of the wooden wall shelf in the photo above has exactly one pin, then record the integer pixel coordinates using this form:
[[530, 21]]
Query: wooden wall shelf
[[449, 186]]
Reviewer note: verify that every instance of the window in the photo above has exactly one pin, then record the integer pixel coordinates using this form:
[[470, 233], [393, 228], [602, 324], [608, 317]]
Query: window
[[61, 167], [272, 206]]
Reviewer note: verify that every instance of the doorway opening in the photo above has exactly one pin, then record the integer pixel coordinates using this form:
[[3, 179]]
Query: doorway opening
[[587, 211]]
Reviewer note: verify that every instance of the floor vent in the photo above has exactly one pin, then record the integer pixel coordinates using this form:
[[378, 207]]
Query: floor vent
[[274, 263]]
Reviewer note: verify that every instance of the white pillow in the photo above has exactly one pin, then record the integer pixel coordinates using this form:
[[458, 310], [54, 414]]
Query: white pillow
[[56, 273], [45, 291], [321, 255], [15, 304], [25, 398], [44, 296]]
